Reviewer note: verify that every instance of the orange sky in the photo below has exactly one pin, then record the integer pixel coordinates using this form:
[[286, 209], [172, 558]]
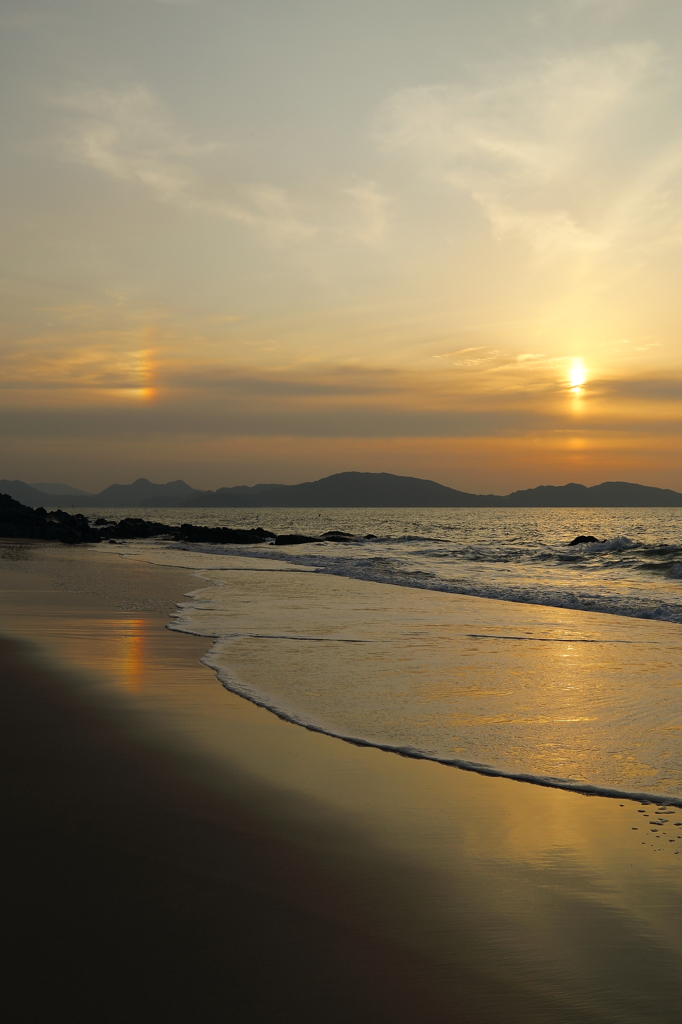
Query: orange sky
[[260, 243]]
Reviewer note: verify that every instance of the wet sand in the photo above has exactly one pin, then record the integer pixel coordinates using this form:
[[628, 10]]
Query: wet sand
[[175, 851]]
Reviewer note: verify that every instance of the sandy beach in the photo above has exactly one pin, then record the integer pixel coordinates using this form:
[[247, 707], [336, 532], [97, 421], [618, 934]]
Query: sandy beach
[[177, 852]]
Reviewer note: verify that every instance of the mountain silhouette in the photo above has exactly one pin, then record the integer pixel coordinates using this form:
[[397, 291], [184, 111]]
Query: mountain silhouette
[[349, 490]]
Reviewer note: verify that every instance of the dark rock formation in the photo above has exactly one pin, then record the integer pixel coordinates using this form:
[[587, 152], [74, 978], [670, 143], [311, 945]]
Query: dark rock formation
[[584, 540], [130, 529], [20, 521], [222, 535], [338, 535], [294, 538]]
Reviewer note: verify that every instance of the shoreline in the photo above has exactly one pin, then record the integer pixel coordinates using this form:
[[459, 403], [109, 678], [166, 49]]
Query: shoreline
[[427, 645], [395, 888], [138, 891], [140, 885]]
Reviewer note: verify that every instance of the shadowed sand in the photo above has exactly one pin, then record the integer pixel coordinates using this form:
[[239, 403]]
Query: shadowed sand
[[177, 853]]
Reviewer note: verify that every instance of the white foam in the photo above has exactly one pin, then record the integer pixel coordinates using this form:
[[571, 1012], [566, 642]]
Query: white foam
[[234, 685], [512, 690]]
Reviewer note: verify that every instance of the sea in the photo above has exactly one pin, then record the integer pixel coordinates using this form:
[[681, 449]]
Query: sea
[[558, 664]]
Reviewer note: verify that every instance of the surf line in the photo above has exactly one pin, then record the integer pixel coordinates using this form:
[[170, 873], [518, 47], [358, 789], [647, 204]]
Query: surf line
[[235, 685], [288, 636], [543, 639]]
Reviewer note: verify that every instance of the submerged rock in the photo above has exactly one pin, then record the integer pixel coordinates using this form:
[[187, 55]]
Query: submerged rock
[[339, 536], [584, 540], [294, 538]]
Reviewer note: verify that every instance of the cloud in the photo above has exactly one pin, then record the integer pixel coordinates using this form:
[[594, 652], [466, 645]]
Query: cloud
[[100, 388], [127, 134], [642, 389], [94, 367], [372, 208], [610, 6], [548, 150], [176, 416]]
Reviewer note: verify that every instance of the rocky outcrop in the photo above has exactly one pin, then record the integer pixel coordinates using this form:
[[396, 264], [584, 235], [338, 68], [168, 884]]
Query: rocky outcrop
[[222, 535], [20, 521], [584, 540], [130, 529]]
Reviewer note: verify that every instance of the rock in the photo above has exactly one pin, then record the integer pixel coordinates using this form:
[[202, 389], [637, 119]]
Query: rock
[[294, 538], [584, 540], [338, 535], [133, 528], [222, 535], [370, 536], [17, 520], [20, 521]]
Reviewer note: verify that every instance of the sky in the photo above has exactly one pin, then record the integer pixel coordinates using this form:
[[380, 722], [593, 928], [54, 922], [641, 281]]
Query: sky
[[262, 242]]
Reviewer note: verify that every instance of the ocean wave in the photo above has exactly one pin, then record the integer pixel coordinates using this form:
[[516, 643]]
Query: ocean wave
[[613, 594], [614, 544], [610, 604], [241, 689]]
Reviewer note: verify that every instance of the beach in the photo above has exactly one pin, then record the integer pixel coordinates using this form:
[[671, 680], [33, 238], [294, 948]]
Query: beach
[[177, 851]]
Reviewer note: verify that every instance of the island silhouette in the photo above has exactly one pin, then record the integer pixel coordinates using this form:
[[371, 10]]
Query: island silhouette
[[344, 490]]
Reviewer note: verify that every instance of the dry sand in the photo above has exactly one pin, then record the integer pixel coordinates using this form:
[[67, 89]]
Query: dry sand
[[173, 852]]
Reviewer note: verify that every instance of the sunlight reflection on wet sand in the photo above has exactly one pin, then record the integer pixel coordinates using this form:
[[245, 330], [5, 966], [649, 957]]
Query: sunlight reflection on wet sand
[[554, 898]]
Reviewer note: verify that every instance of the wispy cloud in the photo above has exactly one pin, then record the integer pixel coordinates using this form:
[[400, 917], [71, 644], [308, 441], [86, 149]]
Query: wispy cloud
[[299, 406], [95, 367], [545, 149], [371, 207], [470, 391], [129, 135], [606, 5]]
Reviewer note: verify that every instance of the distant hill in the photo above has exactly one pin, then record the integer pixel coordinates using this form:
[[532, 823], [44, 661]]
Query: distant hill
[[385, 490], [348, 490], [203, 499], [59, 489], [24, 493], [135, 495], [143, 493], [616, 494]]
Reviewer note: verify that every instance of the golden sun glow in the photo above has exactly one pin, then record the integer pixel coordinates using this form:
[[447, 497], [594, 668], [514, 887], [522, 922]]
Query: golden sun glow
[[141, 394], [141, 369], [577, 376]]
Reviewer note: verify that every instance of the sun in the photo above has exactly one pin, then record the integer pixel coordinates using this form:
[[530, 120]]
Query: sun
[[577, 376]]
